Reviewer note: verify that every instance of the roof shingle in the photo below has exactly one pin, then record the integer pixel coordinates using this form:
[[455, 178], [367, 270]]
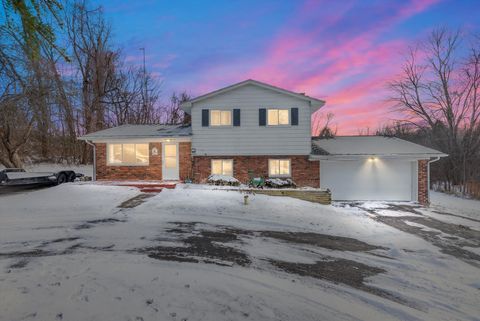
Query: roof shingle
[[140, 131], [369, 145]]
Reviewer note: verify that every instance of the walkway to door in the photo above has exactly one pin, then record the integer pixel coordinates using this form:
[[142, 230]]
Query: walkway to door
[[143, 186]]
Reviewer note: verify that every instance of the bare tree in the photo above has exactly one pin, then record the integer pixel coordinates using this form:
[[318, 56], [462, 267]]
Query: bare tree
[[15, 126], [397, 129], [26, 73], [438, 92], [126, 103], [322, 125], [89, 36], [64, 98], [172, 113]]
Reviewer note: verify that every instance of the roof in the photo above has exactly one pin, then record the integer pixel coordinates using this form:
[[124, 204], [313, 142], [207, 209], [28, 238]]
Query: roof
[[140, 131], [317, 150], [370, 146], [315, 103]]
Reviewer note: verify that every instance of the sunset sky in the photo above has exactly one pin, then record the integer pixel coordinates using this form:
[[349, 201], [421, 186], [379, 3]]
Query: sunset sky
[[341, 51]]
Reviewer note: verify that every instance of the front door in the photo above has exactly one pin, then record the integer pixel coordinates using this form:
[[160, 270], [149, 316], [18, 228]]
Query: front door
[[170, 161]]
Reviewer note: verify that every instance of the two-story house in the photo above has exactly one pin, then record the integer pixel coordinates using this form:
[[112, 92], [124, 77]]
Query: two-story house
[[255, 129]]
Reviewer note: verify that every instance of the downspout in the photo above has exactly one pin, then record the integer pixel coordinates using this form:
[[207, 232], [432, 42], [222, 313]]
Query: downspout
[[94, 176], [428, 175]]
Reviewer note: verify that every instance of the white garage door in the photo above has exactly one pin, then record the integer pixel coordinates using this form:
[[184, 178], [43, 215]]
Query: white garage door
[[367, 179]]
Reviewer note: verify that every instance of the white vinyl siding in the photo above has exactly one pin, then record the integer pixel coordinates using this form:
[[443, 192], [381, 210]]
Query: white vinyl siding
[[279, 168], [220, 118], [277, 117], [222, 167], [127, 154], [249, 138]]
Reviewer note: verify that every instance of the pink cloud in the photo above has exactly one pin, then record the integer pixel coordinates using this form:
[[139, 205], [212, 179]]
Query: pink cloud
[[349, 70], [335, 63]]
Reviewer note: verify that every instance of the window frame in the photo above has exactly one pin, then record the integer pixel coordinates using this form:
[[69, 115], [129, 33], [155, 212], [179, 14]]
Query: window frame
[[222, 160], [278, 117], [221, 111], [128, 163], [280, 175]]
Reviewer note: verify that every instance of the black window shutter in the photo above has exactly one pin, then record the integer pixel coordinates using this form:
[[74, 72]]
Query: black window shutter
[[205, 120], [262, 117], [294, 114], [236, 117]]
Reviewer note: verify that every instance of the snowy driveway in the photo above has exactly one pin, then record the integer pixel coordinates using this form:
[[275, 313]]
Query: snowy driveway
[[443, 229], [92, 252]]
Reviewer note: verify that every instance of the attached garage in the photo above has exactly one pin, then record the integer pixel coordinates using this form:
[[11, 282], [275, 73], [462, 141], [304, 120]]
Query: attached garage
[[374, 168], [370, 179]]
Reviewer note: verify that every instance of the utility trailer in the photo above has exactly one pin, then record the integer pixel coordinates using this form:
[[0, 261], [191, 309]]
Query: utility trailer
[[18, 177]]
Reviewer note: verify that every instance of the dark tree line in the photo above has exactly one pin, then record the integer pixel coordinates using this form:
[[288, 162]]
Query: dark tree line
[[62, 79]]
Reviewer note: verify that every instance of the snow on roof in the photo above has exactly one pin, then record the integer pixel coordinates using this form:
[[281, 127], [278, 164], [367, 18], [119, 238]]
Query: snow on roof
[[370, 145], [140, 131]]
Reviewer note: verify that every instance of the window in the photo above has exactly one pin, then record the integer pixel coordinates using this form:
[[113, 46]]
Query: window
[[170, 155], [128, 154], [279, 168], [220, 118], [277, 117], [222, 167]]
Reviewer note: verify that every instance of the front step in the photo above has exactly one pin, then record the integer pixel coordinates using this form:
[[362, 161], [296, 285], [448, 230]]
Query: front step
[[146, 186], [160, 185], [151, 189], [151, 185]]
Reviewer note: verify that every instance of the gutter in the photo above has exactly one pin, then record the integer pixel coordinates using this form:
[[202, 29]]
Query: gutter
[[150, 139], [428, 174], [364, 156], [94, 176]]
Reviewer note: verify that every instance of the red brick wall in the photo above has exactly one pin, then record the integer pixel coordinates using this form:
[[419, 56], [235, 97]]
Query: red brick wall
[[151, 172], [185, 160], [423, 182], [304, 172]]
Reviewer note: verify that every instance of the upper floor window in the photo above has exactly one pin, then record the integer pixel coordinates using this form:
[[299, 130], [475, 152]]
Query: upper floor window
[[277, 117], [279, 168], [220, 118], [127, 154]]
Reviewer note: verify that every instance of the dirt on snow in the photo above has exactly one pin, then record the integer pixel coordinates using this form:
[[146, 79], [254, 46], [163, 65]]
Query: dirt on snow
[[220, 245], [450, 238]]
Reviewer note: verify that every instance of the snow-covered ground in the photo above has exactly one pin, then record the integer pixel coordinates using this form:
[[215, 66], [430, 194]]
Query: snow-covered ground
[[452, 203], [75, 252]]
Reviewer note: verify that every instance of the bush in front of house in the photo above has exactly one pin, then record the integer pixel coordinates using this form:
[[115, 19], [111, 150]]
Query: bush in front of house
[[222, 180], [280, 183]]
